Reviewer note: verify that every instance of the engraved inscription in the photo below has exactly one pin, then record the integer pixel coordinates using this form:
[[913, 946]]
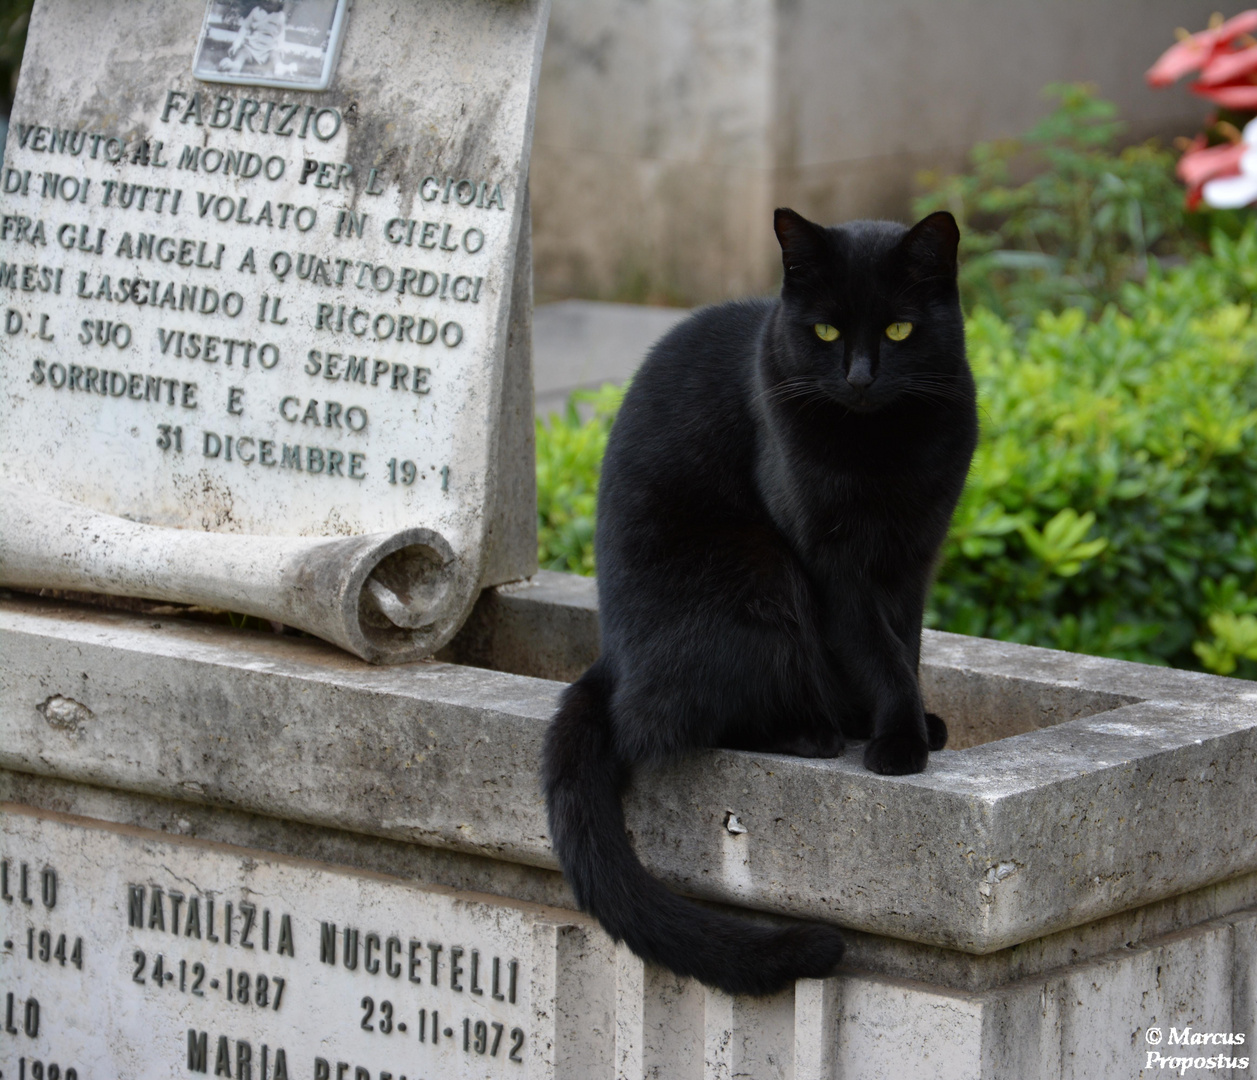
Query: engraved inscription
[[156, 275], [197, 959]]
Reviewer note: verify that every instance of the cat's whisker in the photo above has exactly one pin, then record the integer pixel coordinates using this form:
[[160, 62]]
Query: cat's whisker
[[792, 390], [937, 395], [940, 385], [944, 389]]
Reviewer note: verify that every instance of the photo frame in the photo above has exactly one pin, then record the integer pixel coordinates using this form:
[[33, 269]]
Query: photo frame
[[290, 44]]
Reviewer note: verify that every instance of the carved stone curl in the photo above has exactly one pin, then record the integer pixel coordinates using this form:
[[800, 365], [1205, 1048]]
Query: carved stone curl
[[388, 598]]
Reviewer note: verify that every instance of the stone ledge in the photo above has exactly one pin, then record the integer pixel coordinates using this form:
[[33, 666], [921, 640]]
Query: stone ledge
[[869, 953], [997, 844], [547, 627]]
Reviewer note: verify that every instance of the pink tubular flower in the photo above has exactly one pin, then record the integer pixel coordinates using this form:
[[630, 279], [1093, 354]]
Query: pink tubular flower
[[1236, 96], [1204, 163], [1196, 51], [1239, 189], [1228, 67]]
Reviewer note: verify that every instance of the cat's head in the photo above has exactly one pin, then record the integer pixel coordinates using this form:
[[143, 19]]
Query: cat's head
[[870, 312]]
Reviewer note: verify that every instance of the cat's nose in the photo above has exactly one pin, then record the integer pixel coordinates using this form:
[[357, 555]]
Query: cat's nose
[[860, 374]]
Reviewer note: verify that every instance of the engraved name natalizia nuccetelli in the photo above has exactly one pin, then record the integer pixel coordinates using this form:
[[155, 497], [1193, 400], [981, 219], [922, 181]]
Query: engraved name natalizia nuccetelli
[[396, 962]]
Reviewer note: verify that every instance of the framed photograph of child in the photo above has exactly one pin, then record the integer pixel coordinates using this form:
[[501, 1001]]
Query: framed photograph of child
[[284, 43]]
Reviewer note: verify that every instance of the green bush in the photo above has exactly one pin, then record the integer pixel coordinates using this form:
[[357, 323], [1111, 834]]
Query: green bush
[[569, 462], [1082, 224], [1110, 508]]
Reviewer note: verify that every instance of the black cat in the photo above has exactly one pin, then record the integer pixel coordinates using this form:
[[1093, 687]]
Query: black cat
[[775, 491]]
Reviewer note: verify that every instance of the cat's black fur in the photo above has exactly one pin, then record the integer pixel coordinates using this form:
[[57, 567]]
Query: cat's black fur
[[770, 512]]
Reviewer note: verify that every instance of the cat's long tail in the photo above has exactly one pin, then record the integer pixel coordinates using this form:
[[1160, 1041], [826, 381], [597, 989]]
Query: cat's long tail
[[583, 779]]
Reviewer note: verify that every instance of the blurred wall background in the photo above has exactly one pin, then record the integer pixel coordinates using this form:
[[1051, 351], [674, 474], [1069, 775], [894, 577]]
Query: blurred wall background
[[667, 130]]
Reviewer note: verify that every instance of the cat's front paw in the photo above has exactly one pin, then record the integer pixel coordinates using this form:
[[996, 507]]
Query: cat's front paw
[[896, 755], [935, 731]]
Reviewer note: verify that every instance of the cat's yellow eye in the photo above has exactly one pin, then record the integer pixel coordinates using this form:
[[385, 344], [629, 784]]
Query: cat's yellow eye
[[826, 332], [897, 331]]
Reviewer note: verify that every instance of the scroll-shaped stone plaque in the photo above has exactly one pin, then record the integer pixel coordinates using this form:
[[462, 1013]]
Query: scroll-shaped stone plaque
[[266, 349], [126, 953]]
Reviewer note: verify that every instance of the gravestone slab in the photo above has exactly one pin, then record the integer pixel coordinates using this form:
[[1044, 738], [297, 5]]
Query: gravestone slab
[[129, 954], [268, 312]]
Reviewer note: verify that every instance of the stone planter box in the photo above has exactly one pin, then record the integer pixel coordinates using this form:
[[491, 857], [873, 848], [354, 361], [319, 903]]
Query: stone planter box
[[1079, 869]]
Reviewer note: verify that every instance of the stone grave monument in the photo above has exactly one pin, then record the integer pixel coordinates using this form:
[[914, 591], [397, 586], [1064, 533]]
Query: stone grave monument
[[260, 346], [264, 272]]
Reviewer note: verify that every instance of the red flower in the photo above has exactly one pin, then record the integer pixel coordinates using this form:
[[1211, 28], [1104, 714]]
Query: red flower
[[1241, 96], [1228, 67], [1202, 163], [1198, 50]]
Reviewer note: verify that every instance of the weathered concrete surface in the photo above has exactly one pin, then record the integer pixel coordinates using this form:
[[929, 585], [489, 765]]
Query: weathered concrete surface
[[428, 771], [996, 845], [1088, 1021], [511, 529], [611, 1015], [545, 627]]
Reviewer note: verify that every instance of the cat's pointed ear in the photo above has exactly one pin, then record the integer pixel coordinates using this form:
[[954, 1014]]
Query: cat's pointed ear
[[802, 242], [931, 245]]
